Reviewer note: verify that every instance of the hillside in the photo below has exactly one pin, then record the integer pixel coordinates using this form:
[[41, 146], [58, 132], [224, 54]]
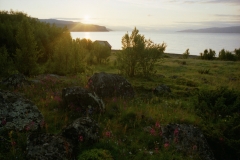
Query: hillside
[[76, 26], [234, 29]]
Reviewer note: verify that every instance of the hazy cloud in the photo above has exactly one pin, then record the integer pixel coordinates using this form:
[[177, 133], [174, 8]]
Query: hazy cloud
[[206, 1]]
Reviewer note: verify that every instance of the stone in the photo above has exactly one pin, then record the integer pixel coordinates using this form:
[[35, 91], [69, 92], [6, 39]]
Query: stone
[[14, 81], [82, 101], [83, 129], [162, 90], [18, 113], [107, 85], [187, 138], [45, 146]]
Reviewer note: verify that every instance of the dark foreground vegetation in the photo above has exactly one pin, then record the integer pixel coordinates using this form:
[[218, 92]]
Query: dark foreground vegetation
[[201, 93]]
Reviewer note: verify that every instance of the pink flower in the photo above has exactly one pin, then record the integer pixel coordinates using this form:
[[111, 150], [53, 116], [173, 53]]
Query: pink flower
[[108, 134], [157, 125], [176, 132], [13, 143], [57, 98], [194, 147], [152, 132], [156, 150], [166, 145], [80, 138]]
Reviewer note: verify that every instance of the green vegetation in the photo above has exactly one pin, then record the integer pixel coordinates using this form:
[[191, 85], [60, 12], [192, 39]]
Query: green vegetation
[[138, 55], [186, 54], [208, 100], [208, 55]]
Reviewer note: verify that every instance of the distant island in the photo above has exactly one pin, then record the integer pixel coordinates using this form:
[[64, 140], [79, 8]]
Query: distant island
[[76, 26], [234, 29]]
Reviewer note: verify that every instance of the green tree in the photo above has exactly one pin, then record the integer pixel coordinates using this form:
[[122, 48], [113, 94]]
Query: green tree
[[100, 52], [61, 61], [226, 56], [186, 54], [6, 64], [26, 53], [208, 55], [138, 54], [237, 53]]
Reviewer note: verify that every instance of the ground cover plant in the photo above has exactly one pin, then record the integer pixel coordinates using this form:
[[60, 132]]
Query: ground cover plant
[[124, 124]]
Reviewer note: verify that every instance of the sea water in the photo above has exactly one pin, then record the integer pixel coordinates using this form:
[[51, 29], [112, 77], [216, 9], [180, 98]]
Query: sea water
[[177, 42]]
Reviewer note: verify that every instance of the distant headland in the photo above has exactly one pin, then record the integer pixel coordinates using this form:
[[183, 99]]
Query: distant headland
[[234, 29], [76, 26]]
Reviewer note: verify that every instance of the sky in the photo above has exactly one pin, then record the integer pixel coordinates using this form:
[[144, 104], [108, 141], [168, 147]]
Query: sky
[[161, 15]]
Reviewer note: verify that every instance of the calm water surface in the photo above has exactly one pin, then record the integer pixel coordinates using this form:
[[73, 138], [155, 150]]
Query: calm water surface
[[176, 42]]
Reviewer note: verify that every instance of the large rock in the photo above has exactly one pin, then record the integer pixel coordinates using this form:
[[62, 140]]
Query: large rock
[[110, 85], [82, 101], [14, 81], [188, 139], [18, 113], [44, 146], [162, 90], [82, 130]]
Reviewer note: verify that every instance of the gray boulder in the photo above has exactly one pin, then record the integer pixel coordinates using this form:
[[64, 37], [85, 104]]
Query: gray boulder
[[82, 101], [44, 146], [162, 90], [188, 139], [110, 85], [82, 130], [18, 113], [14, 81]]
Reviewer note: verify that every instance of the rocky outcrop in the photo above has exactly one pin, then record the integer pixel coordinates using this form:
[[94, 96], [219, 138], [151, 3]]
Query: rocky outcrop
[[82, 101], [18, 113], [162, 90], [188, 139], [14, 81], [110, 85], [82, 130], [44, 146]]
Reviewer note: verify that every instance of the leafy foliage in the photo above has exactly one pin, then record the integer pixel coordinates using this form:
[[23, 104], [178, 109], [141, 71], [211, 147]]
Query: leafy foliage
[[27, 54], [227, 56], [186, 54], [220, 111], [208, 55], [6, 63], [138, 55]]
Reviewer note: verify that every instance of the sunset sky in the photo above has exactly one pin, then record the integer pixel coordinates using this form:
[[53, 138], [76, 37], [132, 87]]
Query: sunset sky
[[160, 15]]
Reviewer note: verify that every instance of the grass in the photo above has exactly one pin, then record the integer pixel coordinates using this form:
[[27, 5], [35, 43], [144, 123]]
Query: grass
[[125, 124]]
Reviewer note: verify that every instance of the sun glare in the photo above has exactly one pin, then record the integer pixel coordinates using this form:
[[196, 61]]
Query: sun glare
[[86, 19]]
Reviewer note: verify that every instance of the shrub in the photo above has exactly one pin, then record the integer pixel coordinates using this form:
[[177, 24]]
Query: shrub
[[186, 54], [219, 110], [227, 56], [237, 52], [138, 55], [208, 55]]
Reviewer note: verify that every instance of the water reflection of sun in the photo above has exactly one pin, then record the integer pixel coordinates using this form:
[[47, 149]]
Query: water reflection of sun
[[87, 35]]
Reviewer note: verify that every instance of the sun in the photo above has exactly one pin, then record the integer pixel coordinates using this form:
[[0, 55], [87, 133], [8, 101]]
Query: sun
[[86, 17]]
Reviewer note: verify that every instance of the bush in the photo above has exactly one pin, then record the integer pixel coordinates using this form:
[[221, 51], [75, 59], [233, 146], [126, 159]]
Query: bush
[[227, 56], [186, 54], [6, 64], [95, 154], [219, 110], [208, 55], [138, 55]]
